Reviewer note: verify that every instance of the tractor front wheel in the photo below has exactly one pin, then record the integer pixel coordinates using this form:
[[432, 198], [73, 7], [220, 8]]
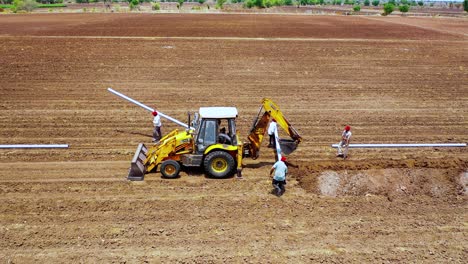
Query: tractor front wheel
[[219, 164], [170, 169]]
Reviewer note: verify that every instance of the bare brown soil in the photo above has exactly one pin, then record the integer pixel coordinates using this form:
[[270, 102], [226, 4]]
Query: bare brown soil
[[395, 80]]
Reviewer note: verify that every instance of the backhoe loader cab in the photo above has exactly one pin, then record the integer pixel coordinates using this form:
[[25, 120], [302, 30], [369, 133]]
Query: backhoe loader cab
[[215, 143], [214, 120]]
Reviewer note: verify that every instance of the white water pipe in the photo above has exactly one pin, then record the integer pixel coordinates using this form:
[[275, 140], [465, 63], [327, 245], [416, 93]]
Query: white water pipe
[[412, 145], [147, 108], [33, 146], [278, 147]]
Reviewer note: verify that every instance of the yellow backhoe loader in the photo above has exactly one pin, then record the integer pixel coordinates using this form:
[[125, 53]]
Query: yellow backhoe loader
[[203, 145]]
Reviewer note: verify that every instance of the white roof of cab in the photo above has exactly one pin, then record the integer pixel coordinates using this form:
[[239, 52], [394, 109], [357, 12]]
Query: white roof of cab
[[218, 112]]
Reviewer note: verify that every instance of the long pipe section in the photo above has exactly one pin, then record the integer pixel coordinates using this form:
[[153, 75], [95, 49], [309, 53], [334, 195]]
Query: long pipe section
[[147, 107], [278, 146], [22, 146], [412, 145]]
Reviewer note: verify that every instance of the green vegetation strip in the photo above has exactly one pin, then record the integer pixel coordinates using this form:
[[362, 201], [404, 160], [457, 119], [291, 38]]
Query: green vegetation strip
[[51, 5], [39, 6]]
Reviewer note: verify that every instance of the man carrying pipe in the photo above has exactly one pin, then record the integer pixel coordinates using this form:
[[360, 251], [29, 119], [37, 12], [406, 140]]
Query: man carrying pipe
[[148, 108]]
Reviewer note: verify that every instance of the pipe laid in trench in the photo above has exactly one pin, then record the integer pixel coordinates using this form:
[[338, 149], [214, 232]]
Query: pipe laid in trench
[[411, 145], [147, 107], [23, 146]]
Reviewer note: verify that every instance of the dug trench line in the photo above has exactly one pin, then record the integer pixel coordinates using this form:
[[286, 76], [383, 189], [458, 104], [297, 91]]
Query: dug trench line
[[391, 178]]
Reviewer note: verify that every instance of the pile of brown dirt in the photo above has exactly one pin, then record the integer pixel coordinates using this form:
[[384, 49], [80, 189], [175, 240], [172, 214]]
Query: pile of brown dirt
[[434, 178]]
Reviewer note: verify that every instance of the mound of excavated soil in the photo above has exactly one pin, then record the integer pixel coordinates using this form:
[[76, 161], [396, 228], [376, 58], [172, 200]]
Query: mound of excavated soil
[[435, 179], [432, 182]]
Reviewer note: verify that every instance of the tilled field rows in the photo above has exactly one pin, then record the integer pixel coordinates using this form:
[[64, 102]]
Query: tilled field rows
[[388, 92], [403, 81], [196, 219]]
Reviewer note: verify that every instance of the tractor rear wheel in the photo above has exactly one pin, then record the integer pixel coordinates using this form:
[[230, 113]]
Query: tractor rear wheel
[[170, 169], [219, 164]]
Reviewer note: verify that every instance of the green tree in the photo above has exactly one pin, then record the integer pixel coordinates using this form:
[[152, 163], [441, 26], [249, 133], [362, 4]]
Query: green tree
[[366, 2], [249, 3], [357, 8], [156, 6], [403, 8], [220, 3], [201, 2], [257, 3], [420, 3], [180, 3], [465, 5], [134, 4], [375, 2], [24, 5], [388, 9]]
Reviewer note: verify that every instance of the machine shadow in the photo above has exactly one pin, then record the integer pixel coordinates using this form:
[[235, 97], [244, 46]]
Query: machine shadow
[[258, 165], [133, 133]]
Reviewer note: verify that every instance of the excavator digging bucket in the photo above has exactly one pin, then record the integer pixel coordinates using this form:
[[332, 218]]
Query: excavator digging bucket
[[288, 146], [137, 168]]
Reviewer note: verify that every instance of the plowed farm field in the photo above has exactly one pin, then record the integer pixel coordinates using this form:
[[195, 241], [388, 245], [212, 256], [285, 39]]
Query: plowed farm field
[[393, 80]]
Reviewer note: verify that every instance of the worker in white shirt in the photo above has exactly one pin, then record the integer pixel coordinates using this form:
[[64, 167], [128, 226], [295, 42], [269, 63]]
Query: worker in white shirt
[[344, 143], [157, 127], [279, 179], [271, 132]]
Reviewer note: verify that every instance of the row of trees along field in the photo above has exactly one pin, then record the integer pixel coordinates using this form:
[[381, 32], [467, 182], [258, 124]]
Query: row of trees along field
[[402, 5], [40, 2], [449, 4], [388, 5]]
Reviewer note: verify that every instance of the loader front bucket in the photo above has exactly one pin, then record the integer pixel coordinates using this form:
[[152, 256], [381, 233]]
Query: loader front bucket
[[137, 168], [288, 146]]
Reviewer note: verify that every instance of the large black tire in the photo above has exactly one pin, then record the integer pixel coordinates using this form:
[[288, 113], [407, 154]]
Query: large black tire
[[219, 164], [170, 169]]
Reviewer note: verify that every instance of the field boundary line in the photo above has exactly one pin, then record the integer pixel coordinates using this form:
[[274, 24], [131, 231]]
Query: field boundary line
[[239, 39]]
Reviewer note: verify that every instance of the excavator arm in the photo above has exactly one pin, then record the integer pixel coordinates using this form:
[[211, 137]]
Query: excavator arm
[[270, 110]]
